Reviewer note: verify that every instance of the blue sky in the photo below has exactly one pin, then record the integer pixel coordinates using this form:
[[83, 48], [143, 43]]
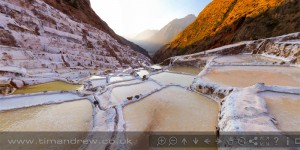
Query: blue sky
[[130, 17]]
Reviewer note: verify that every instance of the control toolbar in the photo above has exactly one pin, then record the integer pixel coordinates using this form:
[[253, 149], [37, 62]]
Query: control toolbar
[[226, 140]]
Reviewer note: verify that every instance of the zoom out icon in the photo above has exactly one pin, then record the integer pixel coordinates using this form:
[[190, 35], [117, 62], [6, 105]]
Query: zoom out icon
[[172, 141]]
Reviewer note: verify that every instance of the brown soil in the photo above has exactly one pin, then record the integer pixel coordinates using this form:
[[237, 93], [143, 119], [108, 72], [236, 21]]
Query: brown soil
[[7, 39]]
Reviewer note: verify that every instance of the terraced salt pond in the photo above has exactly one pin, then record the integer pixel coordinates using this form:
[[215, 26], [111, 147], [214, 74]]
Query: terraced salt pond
[[172, 109], [120, 78], [285, 109], [68, 116], [125, 83], [64, 117], [20, 101], [191, 70], [98, 82], [244, 76], [50, 86], [174, 78], [121, 93], [97, 77], [244, 58]]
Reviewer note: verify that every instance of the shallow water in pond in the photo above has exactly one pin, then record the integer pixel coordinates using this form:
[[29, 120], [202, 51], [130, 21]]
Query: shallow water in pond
[[125, 82], [245, 58], [50, 86], [120, 78], [285, 108], [171, 110], [120, 93], [167, 78], [69, 116], [98, 82], [97, 77], [191, 70], [243, 76]]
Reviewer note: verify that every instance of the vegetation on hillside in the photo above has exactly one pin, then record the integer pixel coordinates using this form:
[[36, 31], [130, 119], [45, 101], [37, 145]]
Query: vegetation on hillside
[[228, 21]]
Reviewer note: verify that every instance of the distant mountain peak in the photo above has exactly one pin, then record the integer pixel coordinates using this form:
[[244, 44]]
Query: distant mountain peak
[[152, 40], [186, 18], [190, 15]]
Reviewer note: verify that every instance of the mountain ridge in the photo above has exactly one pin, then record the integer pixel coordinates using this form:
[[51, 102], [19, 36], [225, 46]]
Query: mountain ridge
[[225, 22], [145, 34], [164, 35]]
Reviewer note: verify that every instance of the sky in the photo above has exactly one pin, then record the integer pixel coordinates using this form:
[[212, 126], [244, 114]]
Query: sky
[[130, 17]]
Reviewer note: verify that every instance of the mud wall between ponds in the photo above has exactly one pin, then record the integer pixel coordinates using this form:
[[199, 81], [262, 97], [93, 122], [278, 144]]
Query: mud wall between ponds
[[286, 47], [216, 93], [190, 63]]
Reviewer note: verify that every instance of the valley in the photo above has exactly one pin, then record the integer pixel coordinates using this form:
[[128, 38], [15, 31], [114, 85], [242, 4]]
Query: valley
[[65, 76], [153, 40]]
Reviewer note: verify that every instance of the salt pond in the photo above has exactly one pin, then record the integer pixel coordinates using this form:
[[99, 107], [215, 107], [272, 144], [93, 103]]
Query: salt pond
[[98, 82], [7, 103], [125, 83], [172, 109], [120, 78], [120, 93], [68, 116], [244, 58], [97, 77], [50, 86], [243, 76], [167, 78], [53, 119], [285, 109], [191, 70]]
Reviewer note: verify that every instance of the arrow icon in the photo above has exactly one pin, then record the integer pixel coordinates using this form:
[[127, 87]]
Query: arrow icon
[[184, 141], [218, 141], [207, 141], [195, 140]]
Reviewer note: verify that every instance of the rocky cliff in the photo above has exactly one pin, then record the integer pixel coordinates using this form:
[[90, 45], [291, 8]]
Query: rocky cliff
[[61, 33], [225, 22]]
